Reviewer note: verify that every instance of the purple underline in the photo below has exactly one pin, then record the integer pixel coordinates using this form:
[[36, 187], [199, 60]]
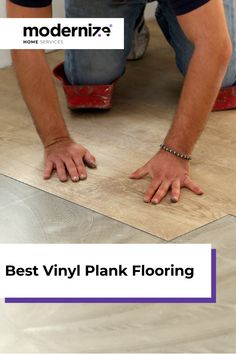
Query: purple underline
[[212, 299], [105, 300]]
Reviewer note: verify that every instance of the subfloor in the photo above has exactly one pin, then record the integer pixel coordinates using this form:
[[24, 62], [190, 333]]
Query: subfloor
[[123, 139], [28, 215]]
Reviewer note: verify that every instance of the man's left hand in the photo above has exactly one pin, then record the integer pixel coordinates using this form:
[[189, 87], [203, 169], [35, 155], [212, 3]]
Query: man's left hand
[[167, 172]]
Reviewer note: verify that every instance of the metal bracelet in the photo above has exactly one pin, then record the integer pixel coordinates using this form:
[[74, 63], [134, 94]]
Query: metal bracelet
[[176, 153]]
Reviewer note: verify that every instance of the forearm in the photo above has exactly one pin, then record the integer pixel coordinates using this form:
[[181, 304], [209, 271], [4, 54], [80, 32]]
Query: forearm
[[200, 89], [40, 95]]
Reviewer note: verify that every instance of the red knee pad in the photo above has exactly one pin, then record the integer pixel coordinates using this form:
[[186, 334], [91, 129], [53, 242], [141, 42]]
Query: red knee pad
[[226, 99], [84, 96]]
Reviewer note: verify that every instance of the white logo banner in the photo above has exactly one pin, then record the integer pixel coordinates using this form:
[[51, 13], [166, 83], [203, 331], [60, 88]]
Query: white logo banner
[[62, 33]]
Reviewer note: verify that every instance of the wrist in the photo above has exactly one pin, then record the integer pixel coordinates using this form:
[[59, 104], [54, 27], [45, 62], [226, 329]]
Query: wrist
[[173, 159], [56, 139], [176, 153], [176, 144]]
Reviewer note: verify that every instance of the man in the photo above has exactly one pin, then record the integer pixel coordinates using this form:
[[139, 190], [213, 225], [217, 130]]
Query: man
[[198, 24]]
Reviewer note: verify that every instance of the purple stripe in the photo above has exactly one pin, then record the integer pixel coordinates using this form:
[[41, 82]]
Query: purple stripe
[[104, 300], [212, 299], [213, 275]]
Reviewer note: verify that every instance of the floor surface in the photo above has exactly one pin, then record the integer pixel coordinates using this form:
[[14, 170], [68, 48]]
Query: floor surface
[[28, 215], [143, 107]]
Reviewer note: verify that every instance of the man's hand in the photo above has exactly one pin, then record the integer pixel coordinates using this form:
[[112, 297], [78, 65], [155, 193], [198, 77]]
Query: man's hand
[[68, 158], [168, 173]]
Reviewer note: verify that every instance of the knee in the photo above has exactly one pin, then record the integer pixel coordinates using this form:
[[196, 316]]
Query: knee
[[103, 74], [95, 69], [230, 76]]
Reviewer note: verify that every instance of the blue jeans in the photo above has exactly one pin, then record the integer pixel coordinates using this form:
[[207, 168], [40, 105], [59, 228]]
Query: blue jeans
[[93, 67]]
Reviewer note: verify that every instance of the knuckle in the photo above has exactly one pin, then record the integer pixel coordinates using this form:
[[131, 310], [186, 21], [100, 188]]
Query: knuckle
[[77, 155], [59, 158], [80, 165], [157, 195], [163, 194], [69, 164], [65, 156], [162, 190], [158, 176], [148, 193], [60, 168], [186, 179], [73, 171], [151, 189]]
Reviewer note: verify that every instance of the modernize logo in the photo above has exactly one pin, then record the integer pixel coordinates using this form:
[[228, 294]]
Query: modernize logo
[[62, 33], [65, 31]]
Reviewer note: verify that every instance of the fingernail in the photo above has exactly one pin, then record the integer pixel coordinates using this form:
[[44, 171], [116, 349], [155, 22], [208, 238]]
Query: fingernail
[[75, 179], [154, 201], [174, 200], [92, 162], [82, 177]]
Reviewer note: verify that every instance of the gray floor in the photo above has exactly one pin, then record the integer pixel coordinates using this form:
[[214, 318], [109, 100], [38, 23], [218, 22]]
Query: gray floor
[[28, 215], [40, 217]]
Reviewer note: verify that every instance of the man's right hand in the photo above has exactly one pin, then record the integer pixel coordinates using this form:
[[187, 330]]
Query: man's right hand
[[68, 158]]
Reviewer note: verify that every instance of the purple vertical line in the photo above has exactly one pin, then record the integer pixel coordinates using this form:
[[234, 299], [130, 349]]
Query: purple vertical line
[[213, 275]]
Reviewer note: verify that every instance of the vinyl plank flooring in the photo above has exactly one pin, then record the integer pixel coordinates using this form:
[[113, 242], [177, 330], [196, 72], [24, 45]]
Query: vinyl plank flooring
[[144, 104], [40, 217], [111, 328]]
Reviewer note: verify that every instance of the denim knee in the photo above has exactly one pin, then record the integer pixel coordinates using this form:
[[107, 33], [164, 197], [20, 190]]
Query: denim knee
[[230, 13], [92, 67], [174, 35]]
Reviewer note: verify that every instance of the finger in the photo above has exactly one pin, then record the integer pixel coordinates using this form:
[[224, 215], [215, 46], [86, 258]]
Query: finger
[[90, 160], [72, 169], [80, 168], [61, 171], [140, 173], [48, 169], [175, 191], [188, 183], [82, 172], [151, 190], [161, 192]]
